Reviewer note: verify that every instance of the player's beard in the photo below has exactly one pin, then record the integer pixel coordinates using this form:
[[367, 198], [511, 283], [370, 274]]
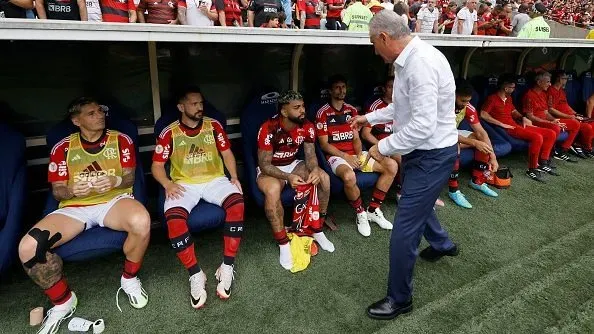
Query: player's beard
[[297, 120], [196, 117]]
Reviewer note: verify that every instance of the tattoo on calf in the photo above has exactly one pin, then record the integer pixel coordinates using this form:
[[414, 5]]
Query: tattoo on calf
[[46, 274]]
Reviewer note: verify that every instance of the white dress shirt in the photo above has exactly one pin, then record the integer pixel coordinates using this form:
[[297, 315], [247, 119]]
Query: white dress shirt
[[423, 102]]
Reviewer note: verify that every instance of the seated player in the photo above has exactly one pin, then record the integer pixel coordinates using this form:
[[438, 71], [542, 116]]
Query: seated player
[[199, 150], [92, 174], [560, 108], [344, 152], [536, 107], [372, 134], [590, 106], [499, 110], [279, 139], [477, 139]]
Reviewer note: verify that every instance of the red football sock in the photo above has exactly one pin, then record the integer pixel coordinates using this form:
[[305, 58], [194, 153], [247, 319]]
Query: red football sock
[[453, 181], [234, 208], [181, 239], [357, 205], [281, 237], [130, 269], [480, 164], [376, 200], [59, 293]]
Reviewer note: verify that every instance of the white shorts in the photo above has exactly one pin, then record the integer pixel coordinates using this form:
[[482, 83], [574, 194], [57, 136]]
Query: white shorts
[[464, 133], [91, 215], [215, 192], [286, 169], [335, 161]]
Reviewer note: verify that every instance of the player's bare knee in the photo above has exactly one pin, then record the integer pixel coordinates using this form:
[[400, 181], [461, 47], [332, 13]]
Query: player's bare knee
[[349, 179], [272, 190], [390, 167], [139, 223], [27, 248], [324, 181]]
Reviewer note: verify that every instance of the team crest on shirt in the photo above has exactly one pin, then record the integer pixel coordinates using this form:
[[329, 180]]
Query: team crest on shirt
[[209, 139], [110, 153], [53, 167], [159, 149]]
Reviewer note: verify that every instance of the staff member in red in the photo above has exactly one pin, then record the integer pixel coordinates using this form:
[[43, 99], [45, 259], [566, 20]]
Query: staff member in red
[[537, 109], [333, 20], [499, 110], [310, 13], [344, 152], [560, 108], [92, 174], [198, 149], [279, 140], [122, 11]]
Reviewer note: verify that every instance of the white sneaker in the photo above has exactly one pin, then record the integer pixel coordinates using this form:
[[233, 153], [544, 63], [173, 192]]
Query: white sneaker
[[377, 217], [197, 290], [137, 297], [225, 276], [363, 224], [57, 314], [323, 241]]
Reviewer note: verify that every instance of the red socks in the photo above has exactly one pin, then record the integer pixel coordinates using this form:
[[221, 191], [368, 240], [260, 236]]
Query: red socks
[[480, 165], [181, 239], [376, 200], [234, 208], [453, 181], [357, 205], [281, 237], [59, 293], [130, 269]]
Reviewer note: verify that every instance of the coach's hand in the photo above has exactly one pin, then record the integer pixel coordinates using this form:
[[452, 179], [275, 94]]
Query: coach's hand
[[295, 180], [236, 182], [483, 147], [314, 176], [81, 189], [373, 153], [174, 191], [358, 122]]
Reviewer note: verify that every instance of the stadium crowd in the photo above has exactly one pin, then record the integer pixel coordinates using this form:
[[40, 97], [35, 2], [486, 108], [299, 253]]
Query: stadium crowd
[[487, 17]]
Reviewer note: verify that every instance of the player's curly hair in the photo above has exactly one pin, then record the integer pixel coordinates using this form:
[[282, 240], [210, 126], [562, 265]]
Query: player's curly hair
[[288, 96]]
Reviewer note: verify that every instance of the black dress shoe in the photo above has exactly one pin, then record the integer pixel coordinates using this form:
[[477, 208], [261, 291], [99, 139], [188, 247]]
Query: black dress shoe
[[385, 309], [430, 254]]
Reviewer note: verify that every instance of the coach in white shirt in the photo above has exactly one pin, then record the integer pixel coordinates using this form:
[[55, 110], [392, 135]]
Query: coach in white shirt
[[425, 135]]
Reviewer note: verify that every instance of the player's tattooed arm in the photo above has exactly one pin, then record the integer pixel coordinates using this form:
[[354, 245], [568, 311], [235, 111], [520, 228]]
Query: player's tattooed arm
[[266, 166], [311, 161], [127, 178], [61, 191]]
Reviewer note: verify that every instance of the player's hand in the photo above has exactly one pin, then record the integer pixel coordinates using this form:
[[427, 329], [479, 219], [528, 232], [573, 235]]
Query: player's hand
[[236, 182], [493, 163], [104, 184], [358, 122], [174, 191], [81, 189], [172, 21], [526, 122], [295, 180], [314, 176], [373, 153], [353, 161], [507, 126], [483, 147]]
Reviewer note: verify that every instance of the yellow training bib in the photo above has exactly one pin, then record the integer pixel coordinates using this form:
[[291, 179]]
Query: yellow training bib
[[195, 160], [87, 167]]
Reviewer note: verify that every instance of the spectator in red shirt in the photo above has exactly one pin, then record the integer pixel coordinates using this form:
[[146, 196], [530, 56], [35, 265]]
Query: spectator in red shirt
[[561, 109], [537, 109], [229, 12], [159, 11], [122, 11], [505, 27], [310, 13], [499, 110], [333, 19], [446, 21]]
